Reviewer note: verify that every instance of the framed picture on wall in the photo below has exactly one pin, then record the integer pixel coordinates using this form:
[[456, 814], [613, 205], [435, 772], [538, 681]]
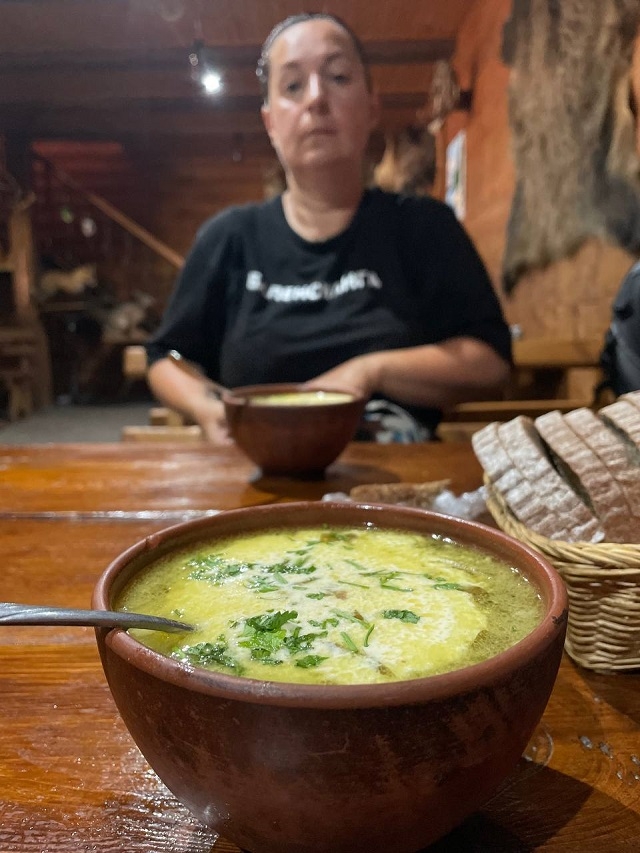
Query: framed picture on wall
[[456, 174]]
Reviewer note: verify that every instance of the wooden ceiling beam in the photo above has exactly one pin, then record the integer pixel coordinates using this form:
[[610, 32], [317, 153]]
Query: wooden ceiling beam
[[404, 51], [151, 122], [97, 88]]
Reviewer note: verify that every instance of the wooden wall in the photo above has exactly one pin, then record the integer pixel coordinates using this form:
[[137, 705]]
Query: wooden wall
[[176, 187], [571, 298], [169, 188], [196, 180]]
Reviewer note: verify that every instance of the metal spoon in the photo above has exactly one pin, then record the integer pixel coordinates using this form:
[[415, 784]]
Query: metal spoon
[[194, 369], [29, 614]]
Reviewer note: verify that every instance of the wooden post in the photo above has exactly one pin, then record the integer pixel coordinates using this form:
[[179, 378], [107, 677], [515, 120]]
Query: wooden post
[[23, 266], [22, 258]]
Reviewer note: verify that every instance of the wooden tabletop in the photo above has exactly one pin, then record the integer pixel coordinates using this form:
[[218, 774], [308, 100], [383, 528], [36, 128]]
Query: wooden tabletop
[[71, 778]]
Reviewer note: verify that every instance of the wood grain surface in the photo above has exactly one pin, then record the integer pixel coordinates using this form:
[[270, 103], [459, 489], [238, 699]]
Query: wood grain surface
[[71, 778]]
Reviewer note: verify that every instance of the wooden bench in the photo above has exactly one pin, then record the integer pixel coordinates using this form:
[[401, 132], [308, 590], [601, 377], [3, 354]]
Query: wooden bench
[[548, 374], [190, 433]]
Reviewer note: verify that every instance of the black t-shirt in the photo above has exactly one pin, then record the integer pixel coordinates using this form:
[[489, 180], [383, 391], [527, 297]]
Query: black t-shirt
[[256, 303]]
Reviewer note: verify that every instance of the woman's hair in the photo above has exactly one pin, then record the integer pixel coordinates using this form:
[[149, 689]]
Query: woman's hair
[[262, 70]]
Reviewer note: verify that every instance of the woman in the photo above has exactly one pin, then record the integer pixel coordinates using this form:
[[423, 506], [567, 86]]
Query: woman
[[330, 283]]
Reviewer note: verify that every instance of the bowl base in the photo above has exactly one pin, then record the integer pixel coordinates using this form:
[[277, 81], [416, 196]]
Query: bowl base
[[263, 476]]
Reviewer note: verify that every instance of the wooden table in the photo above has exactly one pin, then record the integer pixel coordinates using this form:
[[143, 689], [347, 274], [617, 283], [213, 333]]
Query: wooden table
[[71, 778]]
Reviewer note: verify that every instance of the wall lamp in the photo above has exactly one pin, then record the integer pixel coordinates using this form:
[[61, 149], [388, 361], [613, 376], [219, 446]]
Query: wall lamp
[[203, 72]]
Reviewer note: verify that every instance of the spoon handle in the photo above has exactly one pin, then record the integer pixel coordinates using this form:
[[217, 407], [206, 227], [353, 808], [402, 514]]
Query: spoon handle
[[28, 614]]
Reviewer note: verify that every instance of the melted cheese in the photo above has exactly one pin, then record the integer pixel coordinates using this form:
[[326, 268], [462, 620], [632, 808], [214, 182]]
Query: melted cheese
[[368, 605], [301, 398]]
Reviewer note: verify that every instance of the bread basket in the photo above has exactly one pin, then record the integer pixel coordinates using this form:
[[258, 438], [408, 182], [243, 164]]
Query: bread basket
[[603, 584]]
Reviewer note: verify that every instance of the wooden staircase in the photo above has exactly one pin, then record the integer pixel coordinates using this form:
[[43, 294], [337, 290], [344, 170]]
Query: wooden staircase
[[70, 225]]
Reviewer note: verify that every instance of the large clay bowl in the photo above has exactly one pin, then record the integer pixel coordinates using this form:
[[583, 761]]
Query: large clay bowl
[[291, 440], [291, 768]]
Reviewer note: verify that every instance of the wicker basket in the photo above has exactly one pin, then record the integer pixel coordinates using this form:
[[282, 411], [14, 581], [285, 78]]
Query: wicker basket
[[603, 584]]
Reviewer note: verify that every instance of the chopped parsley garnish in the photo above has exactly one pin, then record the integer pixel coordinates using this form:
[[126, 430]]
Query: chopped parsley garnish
[[389, 576], [345, 536], [367, 635], [310, 661], [349, 642], [271, 621], [402, 615], [332, 621], [264, 583], [215, 570], [302, 642], [207, 654], [350, 617]]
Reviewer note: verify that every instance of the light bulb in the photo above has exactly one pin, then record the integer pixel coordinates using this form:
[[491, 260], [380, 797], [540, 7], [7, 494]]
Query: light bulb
[[211, 82]]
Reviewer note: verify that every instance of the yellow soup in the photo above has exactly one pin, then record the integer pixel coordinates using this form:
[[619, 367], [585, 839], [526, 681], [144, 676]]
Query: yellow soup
[[334, 605], [300, 398]]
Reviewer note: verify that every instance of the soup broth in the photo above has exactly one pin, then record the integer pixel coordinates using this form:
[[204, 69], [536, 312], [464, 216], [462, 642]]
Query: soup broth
[[334, 605], [301, 398]]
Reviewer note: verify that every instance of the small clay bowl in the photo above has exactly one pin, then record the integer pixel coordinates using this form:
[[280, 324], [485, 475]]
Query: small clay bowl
[[291, 440], [295, 768]]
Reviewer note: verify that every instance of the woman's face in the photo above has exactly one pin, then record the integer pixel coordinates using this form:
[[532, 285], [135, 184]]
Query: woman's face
[[320, 110]]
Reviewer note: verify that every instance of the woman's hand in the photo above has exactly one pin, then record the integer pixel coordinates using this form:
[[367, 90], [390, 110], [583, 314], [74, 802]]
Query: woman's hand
[[191, 396], [209, 414], [438, 375], [356, 376]]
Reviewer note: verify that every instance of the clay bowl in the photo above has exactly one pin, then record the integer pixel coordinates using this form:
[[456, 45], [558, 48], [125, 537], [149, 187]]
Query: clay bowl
[[290, 440], [293, 768]]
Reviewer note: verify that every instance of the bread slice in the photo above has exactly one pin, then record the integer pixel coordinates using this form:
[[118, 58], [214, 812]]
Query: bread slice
[[508, 480], [581, 467], [419, 495], [623, 417], [612, 452], [518, 467], [632, 397], [569, 516]]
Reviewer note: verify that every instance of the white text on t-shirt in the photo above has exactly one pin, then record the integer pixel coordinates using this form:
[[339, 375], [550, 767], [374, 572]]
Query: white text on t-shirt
[[314, 291]]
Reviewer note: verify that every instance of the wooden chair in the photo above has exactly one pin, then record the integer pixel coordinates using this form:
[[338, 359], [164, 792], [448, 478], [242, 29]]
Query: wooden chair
[[18, 354], [191, 433], [134, 362], [134, 368]]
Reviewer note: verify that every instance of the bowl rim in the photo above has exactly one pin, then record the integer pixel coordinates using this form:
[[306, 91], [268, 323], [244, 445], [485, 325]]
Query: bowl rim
[[238, 396], [295, 695]]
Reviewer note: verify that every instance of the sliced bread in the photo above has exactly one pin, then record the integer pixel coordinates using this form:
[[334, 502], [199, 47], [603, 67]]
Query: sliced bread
[[571, 518], [421, 495], [510, 481], [588, 475], [623, 417], [632, 397], [515, 461], [612, 452]]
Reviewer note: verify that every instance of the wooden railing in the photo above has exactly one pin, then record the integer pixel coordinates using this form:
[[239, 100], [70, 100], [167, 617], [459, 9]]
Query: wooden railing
[[107, 209], [75, 226]]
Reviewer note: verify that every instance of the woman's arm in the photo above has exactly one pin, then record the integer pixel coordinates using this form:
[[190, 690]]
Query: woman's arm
[[434, 375], [191, 397]]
